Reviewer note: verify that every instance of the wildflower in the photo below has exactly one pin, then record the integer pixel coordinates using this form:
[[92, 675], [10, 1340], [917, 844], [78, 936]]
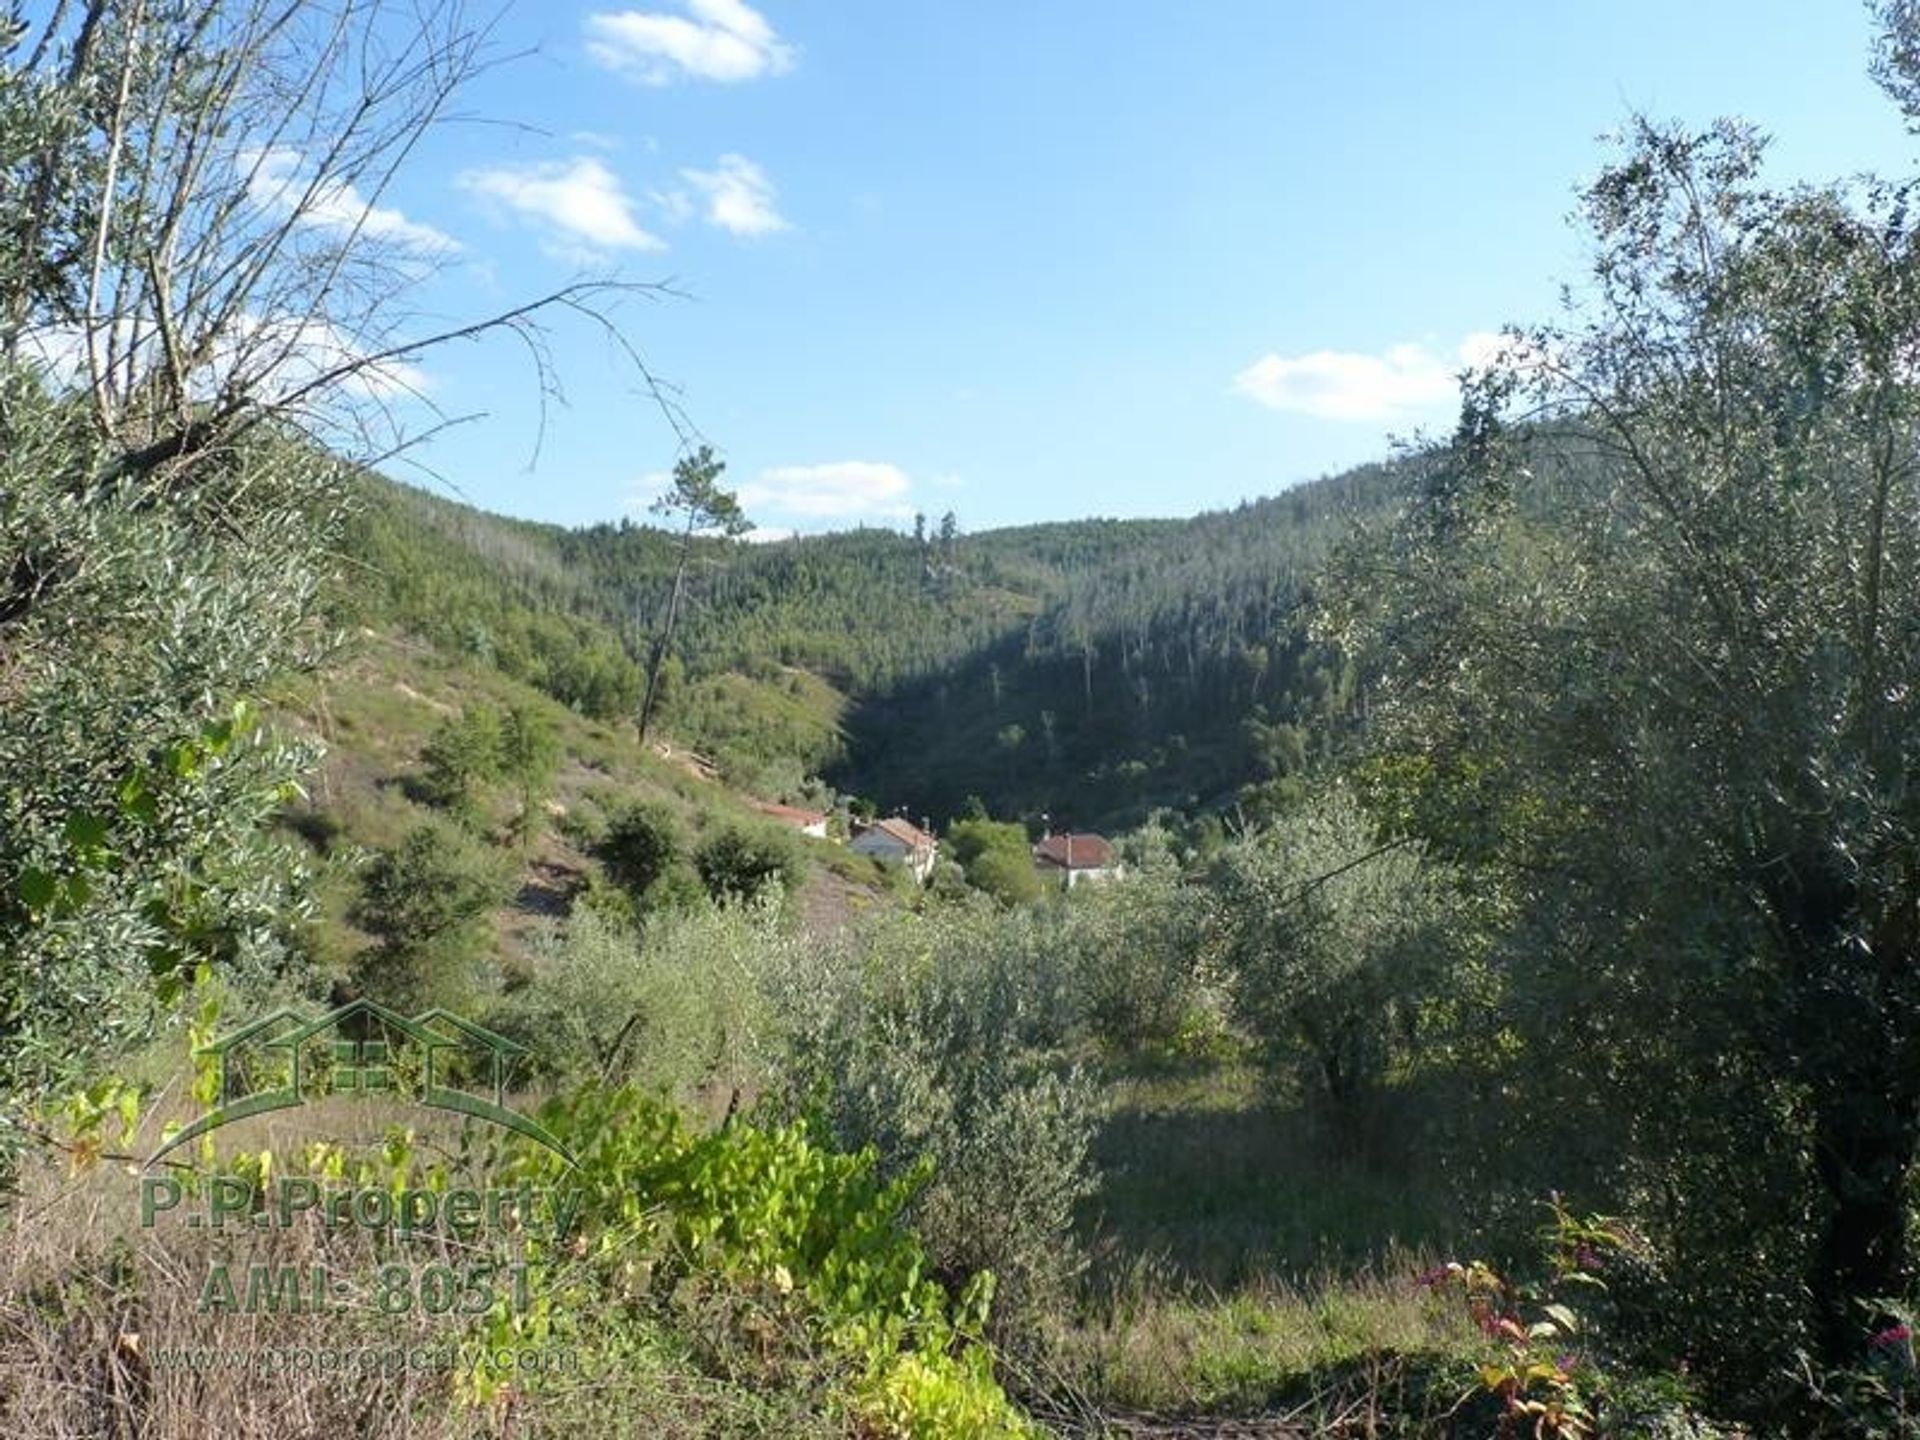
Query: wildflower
[[1892, 1335], [1430, 1279]]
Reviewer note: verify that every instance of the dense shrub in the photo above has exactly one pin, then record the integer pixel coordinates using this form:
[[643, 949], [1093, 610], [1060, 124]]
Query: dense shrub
[[996, 858], [640, 845], [938, 1038], [678, 1010], [137, 623], [529, 756], [1007, 875], [740, 862], [803, 1242], [425, 901], [460, 757], [1137, 955]]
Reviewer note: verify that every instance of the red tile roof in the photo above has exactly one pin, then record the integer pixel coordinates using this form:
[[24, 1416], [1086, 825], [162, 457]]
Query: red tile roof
[[1089, 851], [789, 813], [907, 833]]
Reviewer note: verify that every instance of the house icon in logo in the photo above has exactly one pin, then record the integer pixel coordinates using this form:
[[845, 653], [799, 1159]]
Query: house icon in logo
[[437, 1058]]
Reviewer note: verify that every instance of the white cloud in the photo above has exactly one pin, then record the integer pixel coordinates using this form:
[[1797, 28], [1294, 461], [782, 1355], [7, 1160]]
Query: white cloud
[[675, 206], [841, 490], [739, 196], [275, 182], [271, 359], [277, 357], [642, 491], [768, 535], [579, 203], [1403, 382], [724, 40], [1483, 348], [60, 350]]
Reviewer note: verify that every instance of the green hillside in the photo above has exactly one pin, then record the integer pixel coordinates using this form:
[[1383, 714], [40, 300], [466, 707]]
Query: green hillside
[[1096, 668], [1493, 1010]]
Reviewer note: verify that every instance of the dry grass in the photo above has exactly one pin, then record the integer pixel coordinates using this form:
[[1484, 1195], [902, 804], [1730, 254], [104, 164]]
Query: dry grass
[[103, 1335], [95, 1315]]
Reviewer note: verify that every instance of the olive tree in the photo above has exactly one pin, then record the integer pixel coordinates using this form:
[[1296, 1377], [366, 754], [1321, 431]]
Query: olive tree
[[205, 320], [1332, 939], [1651, 652]]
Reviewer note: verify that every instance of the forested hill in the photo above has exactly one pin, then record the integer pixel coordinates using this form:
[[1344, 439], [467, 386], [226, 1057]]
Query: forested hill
[[1173, 672], [1094, 669]]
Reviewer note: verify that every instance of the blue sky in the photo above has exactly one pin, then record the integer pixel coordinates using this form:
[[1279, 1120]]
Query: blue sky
[[1033, 261]]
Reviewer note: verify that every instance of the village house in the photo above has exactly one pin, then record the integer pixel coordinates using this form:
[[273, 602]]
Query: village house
[[807, 822], [1071, 859], [899, 841]]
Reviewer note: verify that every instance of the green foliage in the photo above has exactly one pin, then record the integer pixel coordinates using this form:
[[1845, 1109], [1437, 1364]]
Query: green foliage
[[773, 1213], [461, 756], [1137, 952], [973, 837], [1132, 683], [696, 502], [1007, 876], [948, 882], [996, 858], [138, 627], [1550, 1362], [426, 901], [1333, 941], [1649, 663], [1100, 667], [940, 1036], [1878, 1395], [641, 846], [529, 750], [742, 862], [699, 506], [486, 589], [679, 1008]]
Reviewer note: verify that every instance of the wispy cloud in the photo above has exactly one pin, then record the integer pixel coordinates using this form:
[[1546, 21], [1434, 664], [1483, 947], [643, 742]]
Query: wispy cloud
[[277, 181], [1402, 382], [278, 357], [270, 359], [724, 40], [643, 490], [579, 204], [739, 197], [675, 206], [840, 490]]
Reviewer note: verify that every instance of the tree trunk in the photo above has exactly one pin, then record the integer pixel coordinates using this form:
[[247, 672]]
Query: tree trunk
[[1863, 1152], [665, 642], [1851, 1013]]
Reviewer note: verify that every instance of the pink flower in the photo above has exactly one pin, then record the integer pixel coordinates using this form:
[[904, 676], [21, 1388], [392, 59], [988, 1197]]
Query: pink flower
[[1892, 1335]]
